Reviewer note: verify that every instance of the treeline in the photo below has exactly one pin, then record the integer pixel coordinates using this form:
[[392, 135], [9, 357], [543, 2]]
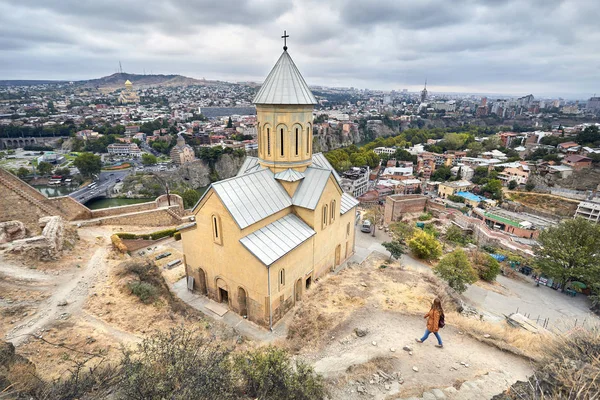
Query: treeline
[[462, 138]]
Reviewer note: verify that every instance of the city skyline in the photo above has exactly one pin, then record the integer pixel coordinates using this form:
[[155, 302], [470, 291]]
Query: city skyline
[[464, 47]]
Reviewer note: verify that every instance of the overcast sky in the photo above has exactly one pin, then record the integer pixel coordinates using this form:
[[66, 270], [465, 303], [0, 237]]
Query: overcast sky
[[544, 47]]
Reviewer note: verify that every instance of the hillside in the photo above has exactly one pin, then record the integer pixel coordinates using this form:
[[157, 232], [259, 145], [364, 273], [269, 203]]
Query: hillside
[[118, 79]]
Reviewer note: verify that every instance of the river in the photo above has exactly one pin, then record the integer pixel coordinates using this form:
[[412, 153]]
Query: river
[[55, 191]]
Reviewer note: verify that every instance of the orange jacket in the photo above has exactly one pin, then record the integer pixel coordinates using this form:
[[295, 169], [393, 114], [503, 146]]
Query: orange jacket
[[433, 321]]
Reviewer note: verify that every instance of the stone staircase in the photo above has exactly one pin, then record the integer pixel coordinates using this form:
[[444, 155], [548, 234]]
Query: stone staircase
[[14, 187]]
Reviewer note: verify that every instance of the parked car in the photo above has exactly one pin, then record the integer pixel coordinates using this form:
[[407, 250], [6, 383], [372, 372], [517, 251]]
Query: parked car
[[366, 226]]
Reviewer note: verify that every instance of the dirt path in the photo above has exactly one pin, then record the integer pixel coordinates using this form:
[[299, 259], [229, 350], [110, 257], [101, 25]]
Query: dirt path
[[437, 368], [73, 291], [13, 271]]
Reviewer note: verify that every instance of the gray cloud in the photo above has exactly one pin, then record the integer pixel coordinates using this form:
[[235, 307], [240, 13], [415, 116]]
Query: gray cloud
[[502, 46]]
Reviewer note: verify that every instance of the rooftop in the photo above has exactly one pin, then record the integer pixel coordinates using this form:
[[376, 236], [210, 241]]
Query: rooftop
[[470, 196], [284, 85]]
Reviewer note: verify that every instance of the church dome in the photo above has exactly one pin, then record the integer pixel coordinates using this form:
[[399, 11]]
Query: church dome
[[285, 85]]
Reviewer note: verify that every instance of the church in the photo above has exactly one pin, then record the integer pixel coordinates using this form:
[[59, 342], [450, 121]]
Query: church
[[128, 96], [260, 239]]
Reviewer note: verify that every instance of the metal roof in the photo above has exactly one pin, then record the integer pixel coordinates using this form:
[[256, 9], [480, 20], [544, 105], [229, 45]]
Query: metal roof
[[277, 239], [310, 189], [284, 85], [289, 175], [252, 197], [347, 203], [320, 161], [249, 165]]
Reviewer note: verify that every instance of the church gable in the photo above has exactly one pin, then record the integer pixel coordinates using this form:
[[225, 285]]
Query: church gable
[[251, 197]]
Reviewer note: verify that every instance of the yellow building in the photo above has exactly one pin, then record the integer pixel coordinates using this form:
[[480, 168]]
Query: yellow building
[[128, 96], [260, 239], [446, 189]]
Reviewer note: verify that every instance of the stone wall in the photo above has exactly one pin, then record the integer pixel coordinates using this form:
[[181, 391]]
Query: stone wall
[[70, 208], [21, 202], [156, 217], [115, 211], [398, 205], [12, 230], [45, 246]]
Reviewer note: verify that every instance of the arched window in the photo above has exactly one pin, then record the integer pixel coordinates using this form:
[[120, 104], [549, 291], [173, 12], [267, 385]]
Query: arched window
[[348, 229], [268, 141], [308, 140], [332, 210], [297, 140], [282, 277], [281, 139], [325, 216], [216, 229]]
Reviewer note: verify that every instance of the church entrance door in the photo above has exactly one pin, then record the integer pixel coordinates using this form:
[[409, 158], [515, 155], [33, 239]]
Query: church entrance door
[[223, 296], [298, 289], [338, 254], [242, 302], [201, 287]]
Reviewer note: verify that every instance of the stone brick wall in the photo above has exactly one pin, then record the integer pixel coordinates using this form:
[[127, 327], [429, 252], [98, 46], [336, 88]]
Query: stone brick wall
[[398, 205], [115, 211], [21, 202], [158, 217], [71, 209]]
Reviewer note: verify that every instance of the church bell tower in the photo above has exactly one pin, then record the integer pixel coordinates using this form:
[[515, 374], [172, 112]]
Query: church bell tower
[[284, 106]]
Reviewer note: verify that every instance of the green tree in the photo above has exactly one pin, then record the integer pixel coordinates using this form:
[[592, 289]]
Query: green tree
[[455, 235], [44, 168], [425, 246], [494, 188], [395, 247], [62, 171], [474, 149], [512, 185], [487, 267], [570, 251], [441, 174], [22, 172], [149, 159], [529, 186], [492, 143], [456, 269], [190, 197], [229, 123], [402, 231], [375, 215], [88, 164]]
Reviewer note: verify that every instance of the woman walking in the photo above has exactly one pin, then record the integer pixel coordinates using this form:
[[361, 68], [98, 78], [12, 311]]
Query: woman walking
[[434, 316]]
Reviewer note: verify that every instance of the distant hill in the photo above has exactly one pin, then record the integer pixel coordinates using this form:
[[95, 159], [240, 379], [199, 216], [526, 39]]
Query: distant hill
[[118, 80], [25, 82]]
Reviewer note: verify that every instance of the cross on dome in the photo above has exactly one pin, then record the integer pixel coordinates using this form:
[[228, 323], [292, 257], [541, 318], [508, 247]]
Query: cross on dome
[[284, 37]]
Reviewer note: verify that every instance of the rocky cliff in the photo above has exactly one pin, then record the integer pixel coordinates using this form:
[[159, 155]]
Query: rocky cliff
[[195, 175]]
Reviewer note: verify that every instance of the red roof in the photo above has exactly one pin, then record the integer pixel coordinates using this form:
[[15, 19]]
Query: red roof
[[566, 145], [576, 158]]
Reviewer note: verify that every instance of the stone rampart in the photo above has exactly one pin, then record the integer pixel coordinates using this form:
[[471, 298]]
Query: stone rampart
[[396, 206], [116, 211]]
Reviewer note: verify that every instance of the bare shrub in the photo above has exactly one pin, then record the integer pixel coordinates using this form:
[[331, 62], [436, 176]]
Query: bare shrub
[[177, 365], [268, 374], [570, 370]]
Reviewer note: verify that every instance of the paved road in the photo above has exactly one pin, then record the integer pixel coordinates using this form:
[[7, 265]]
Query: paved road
[[529, 299], [106, 181]]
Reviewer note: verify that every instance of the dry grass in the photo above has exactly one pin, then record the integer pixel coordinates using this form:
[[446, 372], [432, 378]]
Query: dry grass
[[569, 370], [503, 336]]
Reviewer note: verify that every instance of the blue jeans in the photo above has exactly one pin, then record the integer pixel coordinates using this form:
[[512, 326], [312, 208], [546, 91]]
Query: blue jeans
[[437, 335]]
